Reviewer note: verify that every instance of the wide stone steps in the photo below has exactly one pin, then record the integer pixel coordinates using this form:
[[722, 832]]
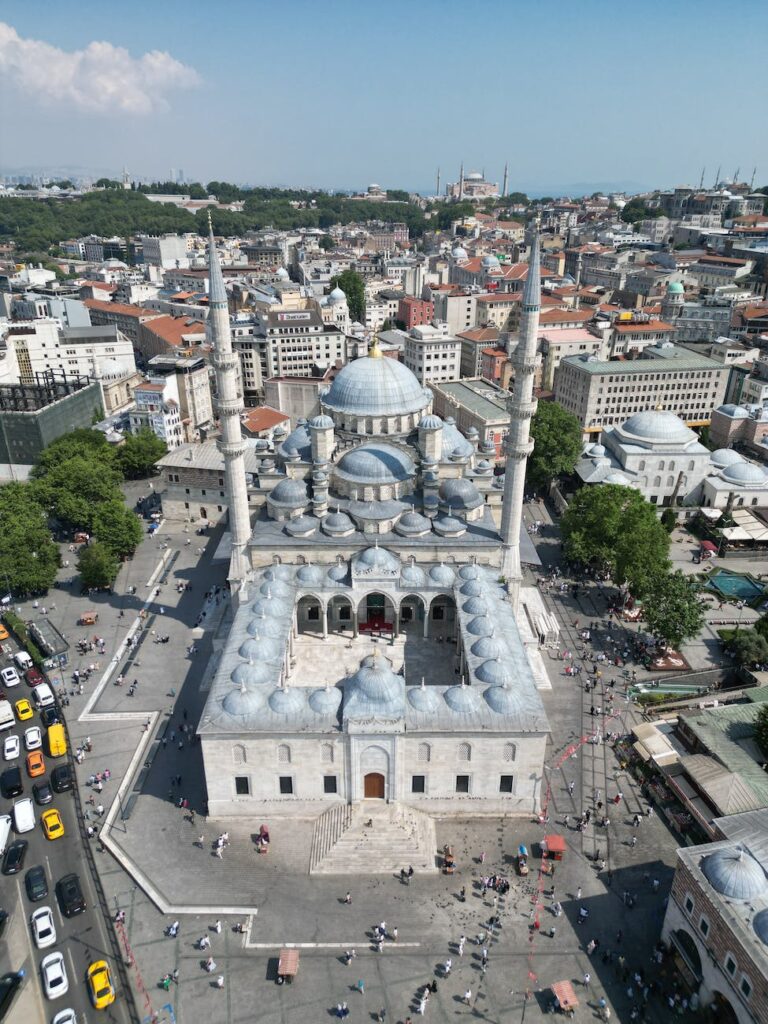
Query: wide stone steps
[[378, 839]]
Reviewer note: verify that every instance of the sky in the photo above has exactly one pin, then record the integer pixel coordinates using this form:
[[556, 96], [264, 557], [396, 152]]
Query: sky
[[575, 96]]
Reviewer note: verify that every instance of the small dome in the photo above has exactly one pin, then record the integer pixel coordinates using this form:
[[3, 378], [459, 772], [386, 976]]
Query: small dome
[[657, 425], [424, 698], [282, 274], [455, 445], [486, 647], [261, 649], [734, 873], [413, 524], [273, 608], [616, 478], [310, 574], [469, 572], [265, 627], [338, 572], [481, 626], [598, 450], [459, 252], [430, 422], [287, 702], [503, 700], [744, 473], [464, 699], [275, 588], [737, 412], [291, 493], [303, 526], [336, 296], [378, 558], [460, 494], [376, 463], [279, 572], [442, 574], [483, 466], [250, 674], [675, 288], [490, 262], [472, 588], [760, 924], [242, 702], [725, 457], [413, 575], [475, 606], [298, 443], [495, 672], [338, 524], [325, 702], [449, 526], [321, 423], [376, 680]]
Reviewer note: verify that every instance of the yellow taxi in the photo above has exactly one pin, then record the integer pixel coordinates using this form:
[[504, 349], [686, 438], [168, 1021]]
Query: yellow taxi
[[4, 635], [52, 824], [100, 985], [23, 710]]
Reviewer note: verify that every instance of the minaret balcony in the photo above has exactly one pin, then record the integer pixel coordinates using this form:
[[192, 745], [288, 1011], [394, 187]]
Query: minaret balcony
[[520, 452], [225, 360], [229, 407], [232, 449], [523, 410]]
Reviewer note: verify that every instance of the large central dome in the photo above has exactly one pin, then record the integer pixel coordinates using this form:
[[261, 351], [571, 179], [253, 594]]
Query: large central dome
[[376, 385]]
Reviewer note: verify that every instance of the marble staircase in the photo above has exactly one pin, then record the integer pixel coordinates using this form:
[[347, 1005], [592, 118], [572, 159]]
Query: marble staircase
[[373, 838]]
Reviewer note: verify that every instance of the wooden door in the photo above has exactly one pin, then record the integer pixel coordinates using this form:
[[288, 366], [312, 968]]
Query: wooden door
[[374, 786]]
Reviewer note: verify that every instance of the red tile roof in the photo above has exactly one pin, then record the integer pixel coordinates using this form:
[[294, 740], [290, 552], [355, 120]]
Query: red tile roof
[[479, 334], [263, 418], [121, 308], [565, 316], [175, 330], [654, 325]]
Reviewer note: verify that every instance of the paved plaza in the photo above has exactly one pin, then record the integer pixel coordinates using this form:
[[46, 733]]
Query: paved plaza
[[156, 868]]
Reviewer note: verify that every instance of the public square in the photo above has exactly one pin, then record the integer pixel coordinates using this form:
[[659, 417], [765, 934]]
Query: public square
[[159, 864]]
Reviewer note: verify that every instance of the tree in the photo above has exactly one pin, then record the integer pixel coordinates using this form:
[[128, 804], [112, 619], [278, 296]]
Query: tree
[[84, 441], [97, 566], [669, 519], [353, 286], [327, 243], [517, 199], [761, 729], [557, 436], [28, 556], [72, 490], [398, 195], [614, 529], [673, 609], [108, 183], [137, 456], [750, 648], [117, 527]]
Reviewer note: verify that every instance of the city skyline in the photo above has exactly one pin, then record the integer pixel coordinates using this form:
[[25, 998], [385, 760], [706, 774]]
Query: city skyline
[[159, 92]]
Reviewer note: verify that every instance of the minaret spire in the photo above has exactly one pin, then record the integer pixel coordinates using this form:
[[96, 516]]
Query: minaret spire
[[506, 180], [230, 408], [521, 407], [461, 182]]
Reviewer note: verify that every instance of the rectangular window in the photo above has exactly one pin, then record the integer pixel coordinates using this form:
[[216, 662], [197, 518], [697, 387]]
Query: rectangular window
[[286, 785], [462, 783], [242, 785], [506, 783], [330, 784], [418, 783]]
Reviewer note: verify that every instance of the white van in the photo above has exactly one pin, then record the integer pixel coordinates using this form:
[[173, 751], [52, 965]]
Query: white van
[[23, 661], [43, 697], [5, 831], [24, 814], [7, 719]]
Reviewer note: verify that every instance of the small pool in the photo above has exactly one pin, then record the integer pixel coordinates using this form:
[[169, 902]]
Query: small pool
[[740, 585]]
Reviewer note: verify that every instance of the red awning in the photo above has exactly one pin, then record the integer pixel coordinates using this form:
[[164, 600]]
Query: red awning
[[555, 844], [565, 994], [707, 545]]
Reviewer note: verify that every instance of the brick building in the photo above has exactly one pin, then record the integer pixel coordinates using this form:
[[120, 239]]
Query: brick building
[[415, 312]]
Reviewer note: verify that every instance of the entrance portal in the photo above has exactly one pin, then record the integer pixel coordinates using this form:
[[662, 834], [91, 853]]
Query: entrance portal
[[374, 786]]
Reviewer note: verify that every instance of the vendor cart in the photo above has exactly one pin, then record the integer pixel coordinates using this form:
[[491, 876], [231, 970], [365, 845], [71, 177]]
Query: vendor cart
[[553, 847], [88, 619], [565, 998], [287, 966], [449, 862], [522, 859]]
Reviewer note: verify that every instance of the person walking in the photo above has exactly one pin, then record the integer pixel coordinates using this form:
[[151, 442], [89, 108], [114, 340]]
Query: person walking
[[447, 967], [468, 996], [462, 940], [360, 986], [348, 898], [587, 979]]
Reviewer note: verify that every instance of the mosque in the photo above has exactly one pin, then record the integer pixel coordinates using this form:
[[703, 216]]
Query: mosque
[[382, 651]]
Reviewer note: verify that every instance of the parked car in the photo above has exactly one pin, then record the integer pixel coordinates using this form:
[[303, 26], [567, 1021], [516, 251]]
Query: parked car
[[100, 985], [35, 764], [62, 779], [13, 861], [4, 634], [9, 676], [65, 1017], [36, 883], [50, 716], [54, 974], [42, 792], [24, 710], [10, 782], [53, 826], [43, 928], [33, 738], [33, 676], [11, 747], [70, 894]]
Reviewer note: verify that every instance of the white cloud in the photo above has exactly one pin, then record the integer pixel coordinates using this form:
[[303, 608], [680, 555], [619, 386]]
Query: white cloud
[[101, 79]]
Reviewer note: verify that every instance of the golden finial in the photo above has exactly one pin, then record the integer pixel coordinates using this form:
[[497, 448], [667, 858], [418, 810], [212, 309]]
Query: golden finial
[[375, 351], [210, 224]]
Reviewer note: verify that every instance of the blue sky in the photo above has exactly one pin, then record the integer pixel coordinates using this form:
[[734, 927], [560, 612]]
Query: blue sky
[[340, 94]]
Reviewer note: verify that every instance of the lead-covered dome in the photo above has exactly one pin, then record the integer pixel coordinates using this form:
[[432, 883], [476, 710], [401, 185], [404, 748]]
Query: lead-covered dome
[[455, 445], [464, 699], [460, 494], [424, 698], [376, 681], [378, 558], [469, 572], [290, 493], [734, 873], [657, 425], [760, 924], [376, 386], [442, 574], [242, 702], [309, 574], [494, 671], [325, 701], [486, 647], [413, 524], [258, 649], [250, 674], [321, 422], [336, 296], [503, 700], [298, 443], [287, 702], [744, 473], [413, 575], [736, 412], [376, 463], [725, 457]]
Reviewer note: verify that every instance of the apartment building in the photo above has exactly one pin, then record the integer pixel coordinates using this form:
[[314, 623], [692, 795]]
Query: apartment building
[[157, 409], [473, 343], [456, 307], [126, 318], [415, 312], [41, 345], [193, 385], [475, 405], [603, 393], [432, 354]]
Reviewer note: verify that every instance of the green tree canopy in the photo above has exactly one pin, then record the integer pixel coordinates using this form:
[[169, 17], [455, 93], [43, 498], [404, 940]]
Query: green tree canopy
[[327, 243], [90, 443], [750, 648], [558, 444], [98, 566], [117, 527], [761, 729], [636, 210], [353, 286], [71, 490], [673, 609], [137, 455], [614, 529], [28, 556]]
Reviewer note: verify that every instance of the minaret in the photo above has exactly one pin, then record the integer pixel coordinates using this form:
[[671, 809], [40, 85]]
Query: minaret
[[230, 408], [506, 180], [437, 193], [579, 267], [518, 446], [461, 182]]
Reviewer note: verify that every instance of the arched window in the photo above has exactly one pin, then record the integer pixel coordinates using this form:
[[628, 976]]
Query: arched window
[[509, 751], [672, 464], [661, 464], [465, 752], [657, 481], [283, 754], [238, 754], [670, 481], [691, 464], [326, 753], [641, 464], [424, 752]]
